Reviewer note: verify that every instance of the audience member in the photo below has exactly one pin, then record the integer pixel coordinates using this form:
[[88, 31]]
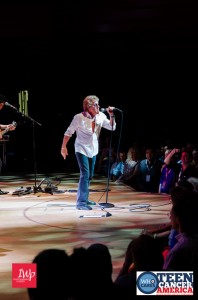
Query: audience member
[[183, 215], [149, 172], [166, 234], [143, 254], [195, 158], [117, 168], [184, 170], [79, 275], [168, 176], [100, 274], [129, 166], [53, 270]]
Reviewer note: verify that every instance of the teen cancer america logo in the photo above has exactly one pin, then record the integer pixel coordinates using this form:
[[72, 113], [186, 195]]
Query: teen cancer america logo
[[24, 275]]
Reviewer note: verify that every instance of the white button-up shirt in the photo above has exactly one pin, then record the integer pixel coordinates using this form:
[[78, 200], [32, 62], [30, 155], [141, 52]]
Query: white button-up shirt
[[86, 140]]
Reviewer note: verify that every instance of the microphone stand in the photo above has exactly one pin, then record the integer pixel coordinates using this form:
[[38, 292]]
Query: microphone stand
[[35, 187], [106, 204]]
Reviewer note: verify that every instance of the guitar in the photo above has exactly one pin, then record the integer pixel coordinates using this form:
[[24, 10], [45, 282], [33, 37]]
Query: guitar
[[14, 124]]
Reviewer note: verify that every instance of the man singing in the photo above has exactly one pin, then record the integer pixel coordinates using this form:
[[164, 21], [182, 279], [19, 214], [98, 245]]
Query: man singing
[[87, 126]]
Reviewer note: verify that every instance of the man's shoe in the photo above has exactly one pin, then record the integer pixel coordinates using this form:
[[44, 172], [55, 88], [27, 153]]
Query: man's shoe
[[3, 192], [89, 202], [83, 207]]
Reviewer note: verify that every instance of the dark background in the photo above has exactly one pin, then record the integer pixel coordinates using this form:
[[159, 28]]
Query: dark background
[[139, 56]]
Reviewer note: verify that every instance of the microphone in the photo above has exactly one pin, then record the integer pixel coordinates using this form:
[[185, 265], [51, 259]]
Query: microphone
[[8, 104], [112, 110]]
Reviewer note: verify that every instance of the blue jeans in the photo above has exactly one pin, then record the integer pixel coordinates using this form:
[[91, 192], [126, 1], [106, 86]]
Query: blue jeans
[[86, 166]]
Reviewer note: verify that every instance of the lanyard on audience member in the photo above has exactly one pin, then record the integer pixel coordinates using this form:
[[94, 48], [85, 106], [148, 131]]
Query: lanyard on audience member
[[149, 168]]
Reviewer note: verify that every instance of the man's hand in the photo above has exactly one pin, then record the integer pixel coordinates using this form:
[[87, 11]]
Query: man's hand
[[11, 127], [110, 109], [64, 152]]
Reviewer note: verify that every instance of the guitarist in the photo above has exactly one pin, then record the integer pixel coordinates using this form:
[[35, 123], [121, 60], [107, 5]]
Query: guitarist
[[8, 127]]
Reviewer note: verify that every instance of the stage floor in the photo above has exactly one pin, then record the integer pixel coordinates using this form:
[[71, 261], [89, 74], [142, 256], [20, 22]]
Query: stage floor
[[40, 219]]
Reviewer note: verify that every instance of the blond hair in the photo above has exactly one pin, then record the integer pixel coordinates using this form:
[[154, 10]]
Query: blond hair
[[89, 101]]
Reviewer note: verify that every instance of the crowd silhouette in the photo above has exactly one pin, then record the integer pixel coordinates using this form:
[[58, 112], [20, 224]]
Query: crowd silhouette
[[87, 272]]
